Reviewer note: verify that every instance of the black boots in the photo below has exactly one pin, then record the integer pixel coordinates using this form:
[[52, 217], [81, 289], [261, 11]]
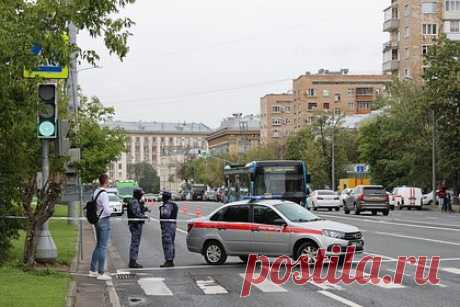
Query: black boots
[[167, 264], [134, 265]]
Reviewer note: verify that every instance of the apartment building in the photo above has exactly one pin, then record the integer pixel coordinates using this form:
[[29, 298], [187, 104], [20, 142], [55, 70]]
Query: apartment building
[[276, 115], [413, 26], [236, 135], [163, 145], [337, 92]]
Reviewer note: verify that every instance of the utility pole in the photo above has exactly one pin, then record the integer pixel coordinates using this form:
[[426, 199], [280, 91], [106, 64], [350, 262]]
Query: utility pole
[[333, 153], [433, 157], [46, 251]]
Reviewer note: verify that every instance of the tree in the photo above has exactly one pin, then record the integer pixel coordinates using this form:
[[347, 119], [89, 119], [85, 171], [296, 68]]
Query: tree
[[442, 77], [99, 144], [42, 22], [146, 176], [397, 144]]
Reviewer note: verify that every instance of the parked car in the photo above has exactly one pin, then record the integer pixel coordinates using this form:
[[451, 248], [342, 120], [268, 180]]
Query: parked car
[[371, 198], [112, 191], [198, 191], [344, 195], [324, 199], [210, 195], [176, 196], [409, 197], [116, 203], [267, 227], [150, 197]]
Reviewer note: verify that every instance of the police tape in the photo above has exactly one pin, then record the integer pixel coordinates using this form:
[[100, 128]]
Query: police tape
[[116, 219]]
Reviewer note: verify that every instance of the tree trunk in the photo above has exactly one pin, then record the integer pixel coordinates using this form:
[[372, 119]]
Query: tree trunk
[[30, 244]]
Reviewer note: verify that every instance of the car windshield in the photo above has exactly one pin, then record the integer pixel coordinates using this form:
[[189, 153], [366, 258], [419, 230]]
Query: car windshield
[[326, 193], [374, 190], [296, 213], [113, 198], [126, 190]]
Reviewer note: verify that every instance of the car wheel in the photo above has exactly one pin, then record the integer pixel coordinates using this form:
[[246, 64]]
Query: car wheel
[[392, 207], [337, 208], [314, 207], [374, 212], [346, 211], [307, 248], [244, 258], [214, 253], [400, 207], [330, 209], [386, 212], [357, 211]]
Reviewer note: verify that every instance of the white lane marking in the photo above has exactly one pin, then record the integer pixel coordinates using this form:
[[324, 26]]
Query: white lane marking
[[267, 286], [186, 267], [339, 298], [382, 256], [416, 238], [383, 284], [387, 223], [450, 259], [210, 286], [451, 270], [154, 286], [326, 285]]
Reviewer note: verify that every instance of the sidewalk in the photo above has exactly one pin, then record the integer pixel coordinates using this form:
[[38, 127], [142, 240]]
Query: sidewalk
[[87, 291]]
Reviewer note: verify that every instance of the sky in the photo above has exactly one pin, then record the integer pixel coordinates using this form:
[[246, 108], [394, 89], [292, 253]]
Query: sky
[[203, 60]]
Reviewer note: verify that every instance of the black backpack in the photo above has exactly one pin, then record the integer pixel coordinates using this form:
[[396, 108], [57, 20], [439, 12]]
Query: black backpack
[[91, 210]]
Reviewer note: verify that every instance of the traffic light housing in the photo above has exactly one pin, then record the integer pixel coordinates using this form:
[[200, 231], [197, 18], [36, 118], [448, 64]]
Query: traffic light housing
[[47, 111]]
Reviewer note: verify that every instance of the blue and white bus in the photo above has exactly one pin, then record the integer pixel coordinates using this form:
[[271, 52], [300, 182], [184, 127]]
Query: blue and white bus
[[267, 179]]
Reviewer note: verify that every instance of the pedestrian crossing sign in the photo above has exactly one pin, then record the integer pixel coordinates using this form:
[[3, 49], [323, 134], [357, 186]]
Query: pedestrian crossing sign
[[49, 71]]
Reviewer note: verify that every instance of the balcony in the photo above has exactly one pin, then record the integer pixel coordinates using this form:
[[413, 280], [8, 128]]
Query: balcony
[[453, 36], [451, 15], [390, 45], [391, 25], [391, 65]]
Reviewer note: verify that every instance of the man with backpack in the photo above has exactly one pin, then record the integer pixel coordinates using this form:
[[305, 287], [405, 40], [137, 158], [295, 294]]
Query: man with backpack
[[98, 213]]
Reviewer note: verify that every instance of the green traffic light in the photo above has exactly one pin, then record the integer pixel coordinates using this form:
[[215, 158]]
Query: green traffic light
[[46, 129]]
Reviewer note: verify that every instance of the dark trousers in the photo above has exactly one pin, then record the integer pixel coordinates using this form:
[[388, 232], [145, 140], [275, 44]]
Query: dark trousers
[[136, 234], [168, 235]]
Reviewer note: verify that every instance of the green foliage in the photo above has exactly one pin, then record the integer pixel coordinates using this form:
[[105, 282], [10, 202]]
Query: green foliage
[[99, 144], [442, 78], [146, 176], [208, 171], [397, 144], [44, 22]]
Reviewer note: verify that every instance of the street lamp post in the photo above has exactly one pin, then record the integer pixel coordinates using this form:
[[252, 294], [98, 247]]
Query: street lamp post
[[433, 157]]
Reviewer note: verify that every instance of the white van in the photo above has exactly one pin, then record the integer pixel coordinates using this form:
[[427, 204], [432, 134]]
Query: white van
[[409, 197]]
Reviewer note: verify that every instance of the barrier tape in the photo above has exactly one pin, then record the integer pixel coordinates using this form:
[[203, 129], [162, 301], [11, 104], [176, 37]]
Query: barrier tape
[[117, 219]]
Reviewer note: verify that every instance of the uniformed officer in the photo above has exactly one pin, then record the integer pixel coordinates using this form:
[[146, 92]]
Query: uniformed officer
[[168, 211], [136, 210]]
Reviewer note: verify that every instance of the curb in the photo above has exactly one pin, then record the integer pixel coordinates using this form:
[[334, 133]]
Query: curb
[[72, 292], [114, 300]]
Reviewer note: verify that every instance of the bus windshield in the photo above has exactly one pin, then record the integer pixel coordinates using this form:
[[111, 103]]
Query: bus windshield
[[279, 180]]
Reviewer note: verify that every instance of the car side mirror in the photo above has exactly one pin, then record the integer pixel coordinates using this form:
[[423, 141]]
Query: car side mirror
[[279, 222]]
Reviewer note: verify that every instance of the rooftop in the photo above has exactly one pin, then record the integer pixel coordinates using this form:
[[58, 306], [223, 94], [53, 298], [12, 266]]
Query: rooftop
[[160, 127]]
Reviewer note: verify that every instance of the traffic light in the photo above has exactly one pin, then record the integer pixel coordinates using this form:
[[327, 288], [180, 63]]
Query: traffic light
[[47, 111]]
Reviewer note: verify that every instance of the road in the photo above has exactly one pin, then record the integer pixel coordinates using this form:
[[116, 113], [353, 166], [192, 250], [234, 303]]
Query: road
[[193, 283]]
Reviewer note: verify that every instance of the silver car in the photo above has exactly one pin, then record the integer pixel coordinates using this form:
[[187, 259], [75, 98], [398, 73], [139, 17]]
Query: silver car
[[267, 227]]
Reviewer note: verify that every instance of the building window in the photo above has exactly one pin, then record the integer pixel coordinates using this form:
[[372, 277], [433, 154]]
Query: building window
[[312, 106], [326, 106], [326, 93], [351, 105], [406, 73], [276, 109], [406, 32], [277, 121], [338, 111], [407, 53], [430, 29], [452, 5], [287, 109], [425, 50], [455, 26], [310, 92], [429, 8], [351, 92], [276, 134], [363, 105], [120, 166], [337, 98]]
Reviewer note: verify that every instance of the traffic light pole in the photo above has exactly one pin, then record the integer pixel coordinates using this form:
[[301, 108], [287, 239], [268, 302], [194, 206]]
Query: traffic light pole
[[46, 251]]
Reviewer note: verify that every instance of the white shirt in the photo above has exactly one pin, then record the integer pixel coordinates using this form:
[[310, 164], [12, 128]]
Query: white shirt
[[103, 203]]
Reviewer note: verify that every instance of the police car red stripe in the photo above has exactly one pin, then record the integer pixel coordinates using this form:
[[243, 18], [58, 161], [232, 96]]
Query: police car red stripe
[[251, 227]]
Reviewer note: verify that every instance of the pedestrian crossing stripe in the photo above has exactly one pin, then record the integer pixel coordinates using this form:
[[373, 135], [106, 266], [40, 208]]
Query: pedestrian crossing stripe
[[210, 286], [451, 270], [267, 286], [154, 286]]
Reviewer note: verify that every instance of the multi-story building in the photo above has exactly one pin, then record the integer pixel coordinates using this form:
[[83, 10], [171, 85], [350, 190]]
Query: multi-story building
[[236, 135], [163, 145], [413, 26], [337, 92], [276, 114]]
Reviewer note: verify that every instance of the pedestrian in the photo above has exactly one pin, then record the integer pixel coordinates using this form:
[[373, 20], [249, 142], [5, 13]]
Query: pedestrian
[[442, 196], [136, 210], [102, 229], [168, 215]]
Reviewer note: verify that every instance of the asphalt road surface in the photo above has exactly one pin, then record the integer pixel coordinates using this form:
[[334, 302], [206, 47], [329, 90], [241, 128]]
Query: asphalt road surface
[[194, 283]]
